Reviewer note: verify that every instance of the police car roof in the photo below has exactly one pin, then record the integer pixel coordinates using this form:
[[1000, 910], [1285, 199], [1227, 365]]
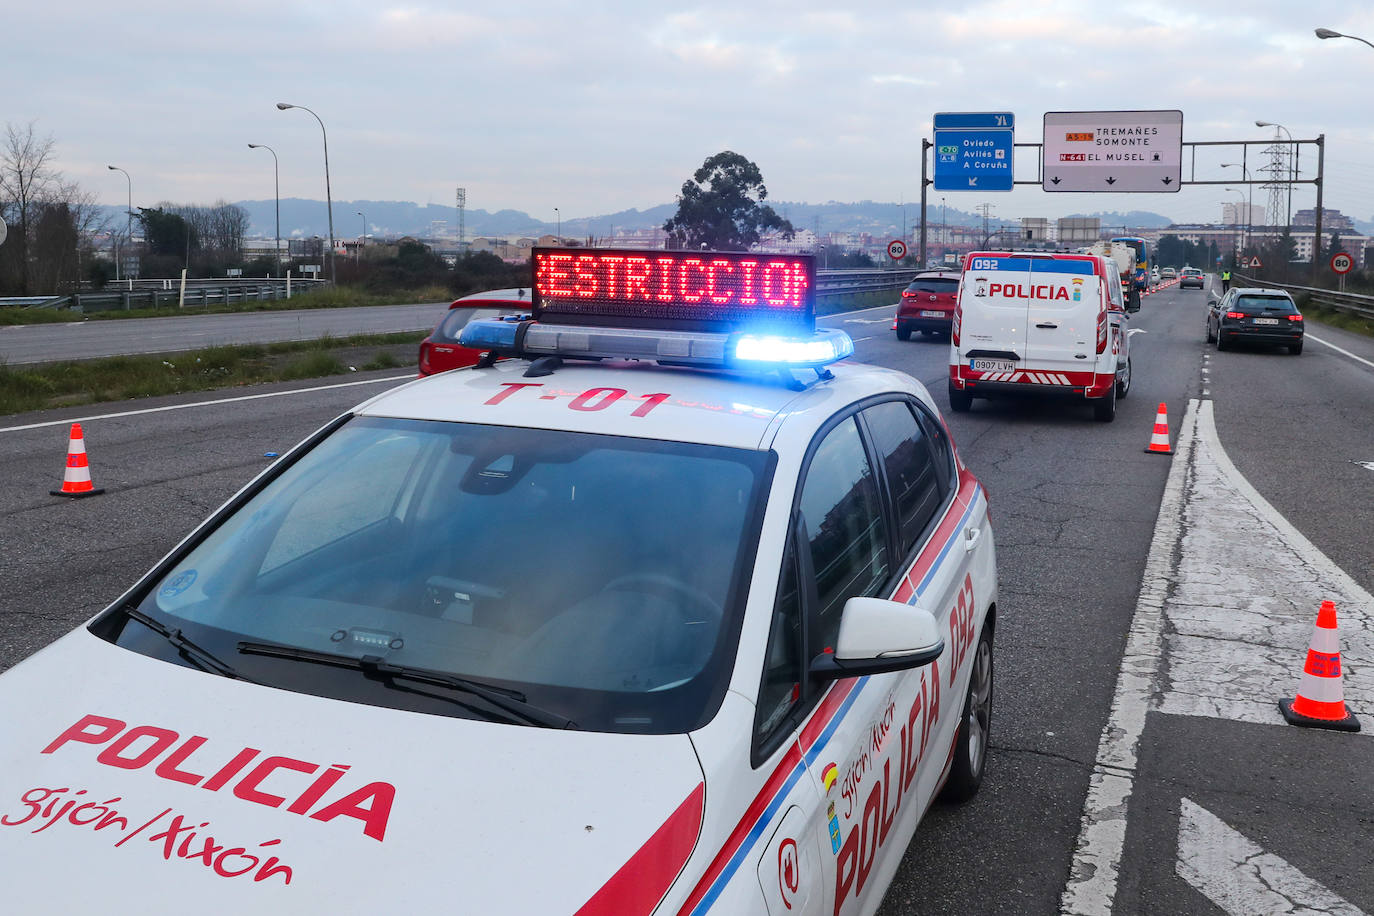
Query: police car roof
[[637, 399]]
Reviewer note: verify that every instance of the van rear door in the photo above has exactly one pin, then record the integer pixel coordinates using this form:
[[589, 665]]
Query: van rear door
[[1064, 301], [993, 311]]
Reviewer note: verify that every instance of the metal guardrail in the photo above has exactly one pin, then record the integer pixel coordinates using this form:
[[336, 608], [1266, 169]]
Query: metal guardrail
[[862, 280], [165, 293], [1353, 303]]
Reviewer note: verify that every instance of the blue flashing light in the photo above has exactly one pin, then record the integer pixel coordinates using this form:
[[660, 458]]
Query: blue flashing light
[[490, 333], [773, 351]]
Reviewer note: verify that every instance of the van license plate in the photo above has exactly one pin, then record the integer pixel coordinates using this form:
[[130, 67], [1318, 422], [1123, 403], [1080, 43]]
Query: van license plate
[[991, 365], [1266, 321]]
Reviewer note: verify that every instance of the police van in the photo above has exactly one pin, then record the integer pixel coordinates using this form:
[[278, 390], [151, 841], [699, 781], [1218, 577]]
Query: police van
[[1040, 323]]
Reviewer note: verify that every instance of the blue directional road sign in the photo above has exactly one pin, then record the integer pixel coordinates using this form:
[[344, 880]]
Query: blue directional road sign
[[973, 150]]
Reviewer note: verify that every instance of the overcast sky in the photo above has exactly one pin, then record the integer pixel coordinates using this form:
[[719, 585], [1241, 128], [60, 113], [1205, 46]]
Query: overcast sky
[[596, 107]]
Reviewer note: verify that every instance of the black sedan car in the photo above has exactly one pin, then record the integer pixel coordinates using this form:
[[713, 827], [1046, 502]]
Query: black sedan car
[[1254, 315]]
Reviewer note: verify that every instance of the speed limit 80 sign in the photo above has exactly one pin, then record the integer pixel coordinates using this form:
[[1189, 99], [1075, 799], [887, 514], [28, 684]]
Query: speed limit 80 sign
[[1342, 263], [896, 249]]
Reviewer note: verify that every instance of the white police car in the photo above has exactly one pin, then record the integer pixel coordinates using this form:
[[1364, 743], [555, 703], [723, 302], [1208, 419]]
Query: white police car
[[655, 621]]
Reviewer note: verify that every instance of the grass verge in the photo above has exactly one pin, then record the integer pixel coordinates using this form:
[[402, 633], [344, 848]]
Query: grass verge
[[1343, 320], [47, 385]]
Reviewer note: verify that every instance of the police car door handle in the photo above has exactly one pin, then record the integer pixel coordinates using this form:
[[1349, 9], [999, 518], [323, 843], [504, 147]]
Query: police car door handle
[[1047, 324], [971, 536]]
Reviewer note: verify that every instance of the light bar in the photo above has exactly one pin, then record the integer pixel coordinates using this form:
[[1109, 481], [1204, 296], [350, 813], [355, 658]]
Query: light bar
[[533, 339], [688, 290], [819, 349]]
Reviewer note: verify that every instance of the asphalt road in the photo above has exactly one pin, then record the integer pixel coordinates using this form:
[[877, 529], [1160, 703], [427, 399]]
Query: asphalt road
[[39, 343], [1074, 505]]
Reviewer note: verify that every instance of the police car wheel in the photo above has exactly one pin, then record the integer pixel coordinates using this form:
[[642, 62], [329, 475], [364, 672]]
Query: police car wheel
[[1104, 409], [903, 333], [1123, 381], [959, 401], [971, 745]]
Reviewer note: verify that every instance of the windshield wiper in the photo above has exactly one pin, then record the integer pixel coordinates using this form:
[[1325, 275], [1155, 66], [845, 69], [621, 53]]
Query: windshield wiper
[[511, 702], [201, 657]]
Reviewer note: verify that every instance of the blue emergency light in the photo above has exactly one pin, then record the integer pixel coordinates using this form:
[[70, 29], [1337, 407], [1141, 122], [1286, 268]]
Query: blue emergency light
[[723, 309]]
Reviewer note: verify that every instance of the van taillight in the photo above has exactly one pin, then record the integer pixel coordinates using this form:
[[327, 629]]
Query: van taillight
[[1102, 329], [957, 321]]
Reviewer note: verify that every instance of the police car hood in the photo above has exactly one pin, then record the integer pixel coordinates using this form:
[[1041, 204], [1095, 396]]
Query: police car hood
[[129, 782]]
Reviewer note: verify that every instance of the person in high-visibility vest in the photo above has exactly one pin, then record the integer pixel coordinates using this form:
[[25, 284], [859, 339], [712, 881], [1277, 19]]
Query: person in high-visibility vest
[[1225, 280]]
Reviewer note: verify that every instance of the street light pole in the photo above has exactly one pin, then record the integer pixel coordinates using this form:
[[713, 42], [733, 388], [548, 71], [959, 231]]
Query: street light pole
[[328, 196], [560, 224], [1235, 191], [276, 193], [128, 215], [1250, 191], [362, 239], [1328, 33]]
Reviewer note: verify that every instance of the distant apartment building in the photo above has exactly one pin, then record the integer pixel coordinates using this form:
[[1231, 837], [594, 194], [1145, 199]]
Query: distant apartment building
[[1237, 214], [1331, 219]]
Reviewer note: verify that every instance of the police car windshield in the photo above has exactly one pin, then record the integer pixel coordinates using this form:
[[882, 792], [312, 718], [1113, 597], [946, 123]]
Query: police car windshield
[[597, 575]]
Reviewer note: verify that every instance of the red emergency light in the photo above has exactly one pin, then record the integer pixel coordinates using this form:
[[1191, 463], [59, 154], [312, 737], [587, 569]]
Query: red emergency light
[[697, 290]]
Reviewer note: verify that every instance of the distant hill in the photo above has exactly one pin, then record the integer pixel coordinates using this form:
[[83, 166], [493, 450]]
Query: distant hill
[[390, 218]]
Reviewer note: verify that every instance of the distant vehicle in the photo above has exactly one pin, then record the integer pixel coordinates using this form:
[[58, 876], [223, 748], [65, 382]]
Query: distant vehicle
[[1123, 254], [1154, 276], [928, 304], [1168, 273], [1255, 315], [440, 351], [1043, 324], [1140, 276], [1191, 276]]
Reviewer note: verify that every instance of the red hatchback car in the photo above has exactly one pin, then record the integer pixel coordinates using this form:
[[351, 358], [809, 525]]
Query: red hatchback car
[[440, 351], [928, 304]]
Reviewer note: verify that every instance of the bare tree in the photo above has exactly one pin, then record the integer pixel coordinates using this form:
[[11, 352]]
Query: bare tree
[[27, 180]]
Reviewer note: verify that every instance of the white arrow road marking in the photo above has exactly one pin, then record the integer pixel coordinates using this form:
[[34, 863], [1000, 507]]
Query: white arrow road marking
[[1134, 331], [1242, 878], [1367, 465], [1229, 622]]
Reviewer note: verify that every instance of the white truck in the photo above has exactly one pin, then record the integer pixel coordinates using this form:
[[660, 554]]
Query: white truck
[[1125, 258]]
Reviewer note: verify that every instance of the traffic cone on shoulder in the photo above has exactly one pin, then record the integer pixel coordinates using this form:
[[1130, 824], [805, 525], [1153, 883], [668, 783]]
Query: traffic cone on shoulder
[[1159, 440], [1320, 702], [76, 481]]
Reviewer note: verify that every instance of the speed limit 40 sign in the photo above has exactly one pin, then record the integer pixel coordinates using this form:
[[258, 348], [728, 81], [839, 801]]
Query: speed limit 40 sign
[[896, 249], [1342, 263]]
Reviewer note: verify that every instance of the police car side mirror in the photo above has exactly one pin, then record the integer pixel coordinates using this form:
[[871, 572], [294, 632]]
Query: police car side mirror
[[877, 636]]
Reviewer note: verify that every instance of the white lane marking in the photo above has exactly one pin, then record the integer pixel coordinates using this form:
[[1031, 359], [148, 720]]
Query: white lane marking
[[1367, 465], [218, 401], [1242, 878], [866, 320], [841, 315], [1340, 350], [1134, 331], [1246, 592], [1102, 831], [857, 339]]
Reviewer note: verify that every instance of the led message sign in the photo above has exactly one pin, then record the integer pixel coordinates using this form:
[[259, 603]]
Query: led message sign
[[700, 290]]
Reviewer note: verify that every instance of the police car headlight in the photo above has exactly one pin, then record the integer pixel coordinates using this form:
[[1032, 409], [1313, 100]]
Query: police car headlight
[[820, 348]]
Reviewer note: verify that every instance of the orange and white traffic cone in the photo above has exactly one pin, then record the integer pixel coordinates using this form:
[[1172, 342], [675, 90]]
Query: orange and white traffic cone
[[1320, 702], [77, 480], [1159, 440]]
